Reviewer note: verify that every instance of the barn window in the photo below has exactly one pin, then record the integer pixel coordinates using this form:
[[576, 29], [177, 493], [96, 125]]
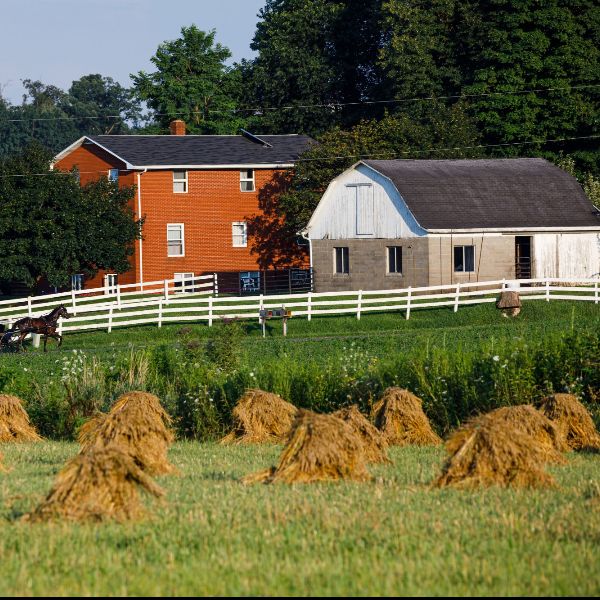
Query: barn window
[[247, 180], [395, 259], [180, 182], [464, 259], [342, 260], [77, 281], [113, 175], [175, 241], [110, 283]]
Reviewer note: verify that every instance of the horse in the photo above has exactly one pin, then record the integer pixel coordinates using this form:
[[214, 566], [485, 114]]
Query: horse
[[44, 325]]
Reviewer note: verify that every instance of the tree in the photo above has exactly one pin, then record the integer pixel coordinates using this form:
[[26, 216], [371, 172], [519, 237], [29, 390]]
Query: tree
[[51, 227], [192, 82]]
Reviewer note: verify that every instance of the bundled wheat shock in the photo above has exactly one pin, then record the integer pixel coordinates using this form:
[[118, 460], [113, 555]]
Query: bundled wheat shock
[[573, 420], [260, 417], [399, 416], [14, 421], [319, 448], [138, 424], [374, 444], [98, 485]]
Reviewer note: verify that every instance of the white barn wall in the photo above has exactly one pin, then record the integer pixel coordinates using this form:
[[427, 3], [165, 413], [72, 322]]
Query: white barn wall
[[566, 254], [336, 217]]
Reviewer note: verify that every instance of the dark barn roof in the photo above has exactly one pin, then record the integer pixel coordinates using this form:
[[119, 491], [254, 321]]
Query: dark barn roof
[[203, 150], [489, 193]]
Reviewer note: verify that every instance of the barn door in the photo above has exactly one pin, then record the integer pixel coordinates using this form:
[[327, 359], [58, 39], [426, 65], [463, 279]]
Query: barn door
[[523, 256]]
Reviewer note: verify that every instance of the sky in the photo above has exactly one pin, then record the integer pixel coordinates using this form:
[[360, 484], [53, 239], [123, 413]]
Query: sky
[[59, 41]]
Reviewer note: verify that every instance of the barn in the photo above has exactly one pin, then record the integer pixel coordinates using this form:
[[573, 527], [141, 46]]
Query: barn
[[387, 224]]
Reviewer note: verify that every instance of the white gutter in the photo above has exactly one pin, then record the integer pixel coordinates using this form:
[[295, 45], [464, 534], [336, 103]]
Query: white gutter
[[303, 234], [139, 195], [509, 230]]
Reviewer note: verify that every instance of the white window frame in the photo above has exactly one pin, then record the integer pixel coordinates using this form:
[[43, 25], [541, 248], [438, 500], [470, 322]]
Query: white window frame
[[185, 281], [113, 175], [111, 281], [399, 266], [245, 179], [179, 180], [464, 262], [345, 260], [77, 281], [181, 227], [239, 240]]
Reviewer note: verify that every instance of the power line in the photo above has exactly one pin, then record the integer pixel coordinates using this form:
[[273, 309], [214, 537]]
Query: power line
[[358, 156], [330, 105]]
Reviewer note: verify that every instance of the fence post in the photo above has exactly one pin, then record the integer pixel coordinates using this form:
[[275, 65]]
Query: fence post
[[547, 290], [596, 293], [110, 318], [60, 326], [359, 304], [160, 306], [29, 309], [210, 311], [408, 303], [260, 306], [118, 295], [503, 283], [166, 291], [73, 309], [216, 284], [309, 305], [456, 297]]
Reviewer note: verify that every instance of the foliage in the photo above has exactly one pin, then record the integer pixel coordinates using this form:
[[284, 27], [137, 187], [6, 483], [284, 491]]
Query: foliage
[[192, 83], [51, 227], [589, 183]]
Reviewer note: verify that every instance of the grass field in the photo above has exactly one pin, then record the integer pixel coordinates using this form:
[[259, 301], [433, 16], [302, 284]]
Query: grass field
[[394, 536]]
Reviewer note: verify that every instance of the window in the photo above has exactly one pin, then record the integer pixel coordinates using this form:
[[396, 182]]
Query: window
[[395, 259], [247, 180], [342, 265], [110, 283], [238, 234], [77, 281], [113, 175], [184, 282], [175, 245], [180, 182], [464, 259]]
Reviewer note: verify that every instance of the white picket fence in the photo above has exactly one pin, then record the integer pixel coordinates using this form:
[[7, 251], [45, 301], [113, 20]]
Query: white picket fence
[[168, 305]]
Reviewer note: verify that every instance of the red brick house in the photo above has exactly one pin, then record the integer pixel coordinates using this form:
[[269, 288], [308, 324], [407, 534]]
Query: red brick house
[[197, 194]]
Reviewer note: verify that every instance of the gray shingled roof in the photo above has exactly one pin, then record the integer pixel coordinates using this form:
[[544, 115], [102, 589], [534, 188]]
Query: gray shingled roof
[[489, 193], [172, 150]]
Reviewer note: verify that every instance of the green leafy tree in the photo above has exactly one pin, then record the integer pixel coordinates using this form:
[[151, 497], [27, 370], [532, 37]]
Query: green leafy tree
[[50, 227], [192, 83]]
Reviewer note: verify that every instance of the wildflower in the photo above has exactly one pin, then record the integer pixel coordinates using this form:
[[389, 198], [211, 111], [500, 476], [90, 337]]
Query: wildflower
[[495, 358]]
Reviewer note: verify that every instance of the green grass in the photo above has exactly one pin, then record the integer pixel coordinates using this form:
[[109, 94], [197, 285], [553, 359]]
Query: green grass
[[394, 536]]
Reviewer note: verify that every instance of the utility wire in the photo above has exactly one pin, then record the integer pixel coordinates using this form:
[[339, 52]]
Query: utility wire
[[258, 110], [343, 157]]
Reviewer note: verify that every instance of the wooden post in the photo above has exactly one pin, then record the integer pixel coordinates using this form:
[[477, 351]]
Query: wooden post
[[160, 306], [408, 303], [547, 290], [359, 304], [216, 284], [284, 321], [260, 306], [166, 291], [29, 309], [210, 311], [110, 318], [596, 293], [309, 305], [118, 295], [456, 297]]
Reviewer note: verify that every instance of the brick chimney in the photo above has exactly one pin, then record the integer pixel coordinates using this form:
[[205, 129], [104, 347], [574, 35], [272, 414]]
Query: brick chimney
[[177, 127]]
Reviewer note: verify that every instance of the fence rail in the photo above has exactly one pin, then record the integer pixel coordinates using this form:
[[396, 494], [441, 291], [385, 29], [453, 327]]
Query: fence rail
[[165, 305]]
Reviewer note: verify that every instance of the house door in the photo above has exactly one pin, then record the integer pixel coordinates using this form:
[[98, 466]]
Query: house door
[[523, 256]]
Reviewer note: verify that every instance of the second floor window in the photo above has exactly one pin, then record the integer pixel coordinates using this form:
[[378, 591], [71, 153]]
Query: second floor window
[[175, 242], [395, 259], [342, 258], [113, 175], [180, 182], [77, 281], [464, 259], [239, 234], [110, 283], [247, 180]]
